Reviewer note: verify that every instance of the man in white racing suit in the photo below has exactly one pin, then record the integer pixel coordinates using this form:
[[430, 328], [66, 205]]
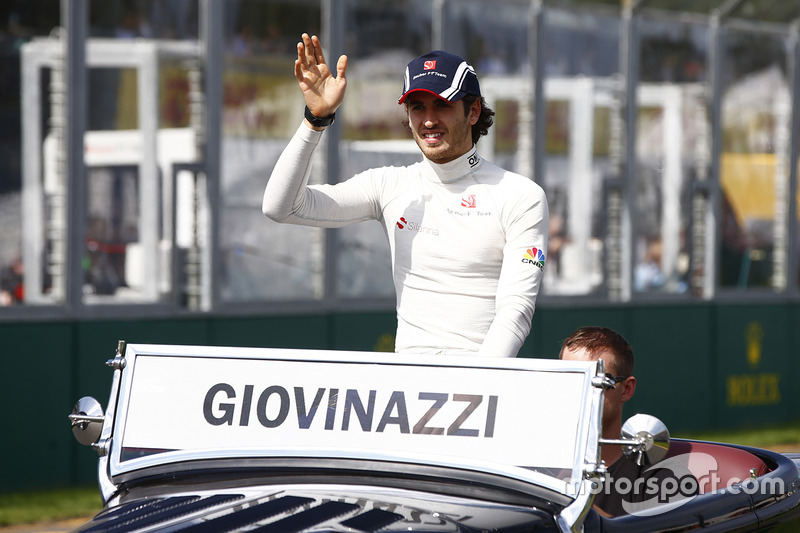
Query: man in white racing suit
[[468, 239]]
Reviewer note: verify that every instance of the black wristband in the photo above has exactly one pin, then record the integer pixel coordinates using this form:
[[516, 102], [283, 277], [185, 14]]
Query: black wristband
[[318, 122]]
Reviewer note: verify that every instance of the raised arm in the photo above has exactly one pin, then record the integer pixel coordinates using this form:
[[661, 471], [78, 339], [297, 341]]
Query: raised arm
[[287, 196], [322, 91]]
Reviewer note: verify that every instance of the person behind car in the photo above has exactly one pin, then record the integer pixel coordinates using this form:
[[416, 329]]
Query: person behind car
[[590, 344], [467, 238]]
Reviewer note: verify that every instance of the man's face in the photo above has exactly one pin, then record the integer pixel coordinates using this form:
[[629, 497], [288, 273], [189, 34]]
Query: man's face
[[613, 398], [441, 129]]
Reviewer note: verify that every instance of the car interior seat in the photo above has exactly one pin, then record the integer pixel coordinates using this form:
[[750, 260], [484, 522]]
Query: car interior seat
[[716, 466]]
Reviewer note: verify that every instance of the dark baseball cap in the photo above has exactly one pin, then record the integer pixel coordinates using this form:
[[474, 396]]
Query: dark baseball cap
[[446, 75]]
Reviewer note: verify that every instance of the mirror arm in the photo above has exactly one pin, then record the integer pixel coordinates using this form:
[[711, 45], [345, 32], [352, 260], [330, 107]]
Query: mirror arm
[[82, 420], [637, 442]]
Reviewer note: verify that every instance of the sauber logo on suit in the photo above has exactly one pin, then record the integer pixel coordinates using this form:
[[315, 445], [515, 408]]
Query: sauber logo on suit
[[469, 201]]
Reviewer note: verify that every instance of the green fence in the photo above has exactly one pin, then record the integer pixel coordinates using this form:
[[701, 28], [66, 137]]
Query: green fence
[[698, 366]]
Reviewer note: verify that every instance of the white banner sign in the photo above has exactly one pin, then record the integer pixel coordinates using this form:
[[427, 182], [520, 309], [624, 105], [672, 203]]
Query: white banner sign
[[516, 417]]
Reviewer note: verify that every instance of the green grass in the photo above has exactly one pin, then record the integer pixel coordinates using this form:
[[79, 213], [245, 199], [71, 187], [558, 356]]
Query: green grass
[[764, 437], [43, 506], [47, 505]]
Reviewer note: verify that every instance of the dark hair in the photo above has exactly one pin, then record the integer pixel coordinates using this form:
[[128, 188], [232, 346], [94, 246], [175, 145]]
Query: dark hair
[[595, 338], [485, 119]]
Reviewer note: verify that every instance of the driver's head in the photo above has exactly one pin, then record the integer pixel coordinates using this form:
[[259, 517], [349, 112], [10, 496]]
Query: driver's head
[[594, 342], [450, 78]]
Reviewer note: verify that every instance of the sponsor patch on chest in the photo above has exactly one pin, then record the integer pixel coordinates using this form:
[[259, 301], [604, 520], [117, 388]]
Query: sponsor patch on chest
[[408, 224]]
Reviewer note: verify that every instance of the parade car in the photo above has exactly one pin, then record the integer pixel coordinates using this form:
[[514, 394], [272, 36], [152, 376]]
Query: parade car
[[198, 438]]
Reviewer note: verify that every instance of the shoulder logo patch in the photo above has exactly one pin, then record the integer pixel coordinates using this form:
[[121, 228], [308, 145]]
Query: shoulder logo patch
[[534, 256]]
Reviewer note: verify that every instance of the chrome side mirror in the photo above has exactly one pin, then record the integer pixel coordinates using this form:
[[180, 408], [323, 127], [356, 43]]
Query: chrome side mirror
[[87, 420], [645, 439]]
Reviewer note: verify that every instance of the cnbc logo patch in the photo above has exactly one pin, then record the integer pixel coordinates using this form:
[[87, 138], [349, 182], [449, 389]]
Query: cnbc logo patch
[[534, 256]]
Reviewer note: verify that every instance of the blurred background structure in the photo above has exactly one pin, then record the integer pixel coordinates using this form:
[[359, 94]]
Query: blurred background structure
[[137, 136]]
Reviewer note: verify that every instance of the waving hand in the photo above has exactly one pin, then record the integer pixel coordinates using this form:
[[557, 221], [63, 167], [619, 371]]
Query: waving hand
[[322, 91]]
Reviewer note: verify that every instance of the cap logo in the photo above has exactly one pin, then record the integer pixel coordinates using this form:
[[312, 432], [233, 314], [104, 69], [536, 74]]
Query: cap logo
[[429, 65]]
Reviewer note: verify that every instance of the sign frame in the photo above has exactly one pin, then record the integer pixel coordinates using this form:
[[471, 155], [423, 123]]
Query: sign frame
[[583, 432]]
